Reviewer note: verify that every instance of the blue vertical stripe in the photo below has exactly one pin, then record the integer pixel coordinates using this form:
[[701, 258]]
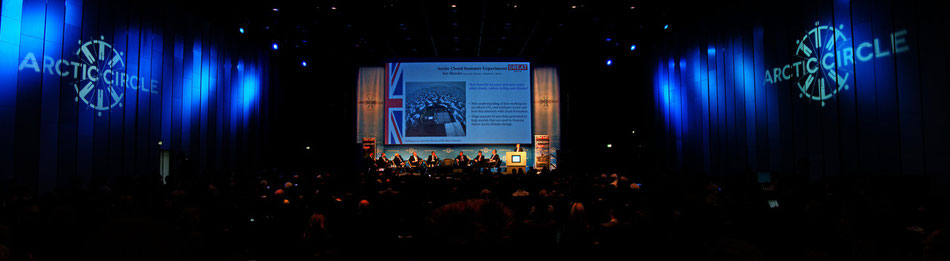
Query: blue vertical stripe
[[10, 16]]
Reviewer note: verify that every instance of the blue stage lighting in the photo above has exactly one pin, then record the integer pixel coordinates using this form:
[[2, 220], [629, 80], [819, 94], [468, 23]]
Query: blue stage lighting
[[303, 63], [633, 47], [274, 46], [666, 26], [608, 39], [610, 62], [711, 51], [241, 30]]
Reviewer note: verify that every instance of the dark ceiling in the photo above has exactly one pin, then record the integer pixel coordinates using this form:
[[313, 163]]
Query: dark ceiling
[[369, 32]]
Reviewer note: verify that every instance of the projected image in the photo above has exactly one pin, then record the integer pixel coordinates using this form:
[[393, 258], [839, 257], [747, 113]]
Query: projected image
[[435, 109]]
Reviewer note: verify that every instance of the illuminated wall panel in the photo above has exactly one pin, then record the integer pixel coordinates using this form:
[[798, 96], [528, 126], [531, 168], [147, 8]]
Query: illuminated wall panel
[[88, 89], [818, 88]]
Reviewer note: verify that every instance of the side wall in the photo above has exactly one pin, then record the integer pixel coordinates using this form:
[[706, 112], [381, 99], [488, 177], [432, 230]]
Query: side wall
[[819, 88], [97, 90]]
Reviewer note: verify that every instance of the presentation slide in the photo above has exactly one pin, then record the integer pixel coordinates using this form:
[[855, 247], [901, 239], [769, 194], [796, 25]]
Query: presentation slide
[[458, 103]]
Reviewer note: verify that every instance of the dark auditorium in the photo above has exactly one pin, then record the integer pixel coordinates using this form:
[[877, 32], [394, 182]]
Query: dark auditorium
[[483, 130]]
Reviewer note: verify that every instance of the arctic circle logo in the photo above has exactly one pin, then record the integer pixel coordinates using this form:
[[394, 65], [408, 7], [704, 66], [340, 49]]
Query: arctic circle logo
[[824, 76], [825, 60], [99, 78], [98, 55]]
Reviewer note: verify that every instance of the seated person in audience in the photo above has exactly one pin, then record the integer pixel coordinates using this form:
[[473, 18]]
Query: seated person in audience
[[414, 160], [433, 160], [479, 160], [382, 161], [461, 160], [398, 161], [494, 161]]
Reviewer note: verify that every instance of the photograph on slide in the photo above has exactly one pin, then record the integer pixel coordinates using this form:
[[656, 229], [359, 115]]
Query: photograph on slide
[[435, 109]]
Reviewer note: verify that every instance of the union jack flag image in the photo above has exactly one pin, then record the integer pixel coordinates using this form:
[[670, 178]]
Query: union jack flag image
[[395, 92]]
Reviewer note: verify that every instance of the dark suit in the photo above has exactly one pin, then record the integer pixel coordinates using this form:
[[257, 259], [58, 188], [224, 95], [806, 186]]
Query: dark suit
[[478, 160], [382, 162], [398, 161], [370, 162], [461, 160], [496, 161], [433, 160], [413, 160]]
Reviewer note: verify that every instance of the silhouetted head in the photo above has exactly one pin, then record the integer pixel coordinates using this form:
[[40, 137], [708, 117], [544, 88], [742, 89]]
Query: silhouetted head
[[470, 224]]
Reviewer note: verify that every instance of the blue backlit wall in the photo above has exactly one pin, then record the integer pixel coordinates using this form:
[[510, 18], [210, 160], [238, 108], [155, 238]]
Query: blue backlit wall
[[820, 88], [98, 89]]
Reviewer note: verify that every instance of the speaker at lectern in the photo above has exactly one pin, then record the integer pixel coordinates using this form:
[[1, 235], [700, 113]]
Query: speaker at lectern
[[515, 161]]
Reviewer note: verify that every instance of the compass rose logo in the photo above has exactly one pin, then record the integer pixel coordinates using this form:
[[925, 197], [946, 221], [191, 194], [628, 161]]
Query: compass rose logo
[[99, 86], [370, 103], [824, 76], [546, 101]]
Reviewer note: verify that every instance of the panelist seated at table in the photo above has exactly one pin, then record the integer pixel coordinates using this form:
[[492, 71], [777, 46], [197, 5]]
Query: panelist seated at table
[[398, 161], [461, 160], [494, 160], [382, 161], [433, 160], [370, 160], [479, 160], [414, 160]]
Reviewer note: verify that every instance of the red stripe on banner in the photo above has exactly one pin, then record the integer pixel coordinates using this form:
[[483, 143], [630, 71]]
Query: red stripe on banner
[[394, 103], [393, 120], [395, 71], [386, 109]]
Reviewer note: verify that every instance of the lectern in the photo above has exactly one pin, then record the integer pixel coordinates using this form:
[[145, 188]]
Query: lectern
[[515, 160]]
